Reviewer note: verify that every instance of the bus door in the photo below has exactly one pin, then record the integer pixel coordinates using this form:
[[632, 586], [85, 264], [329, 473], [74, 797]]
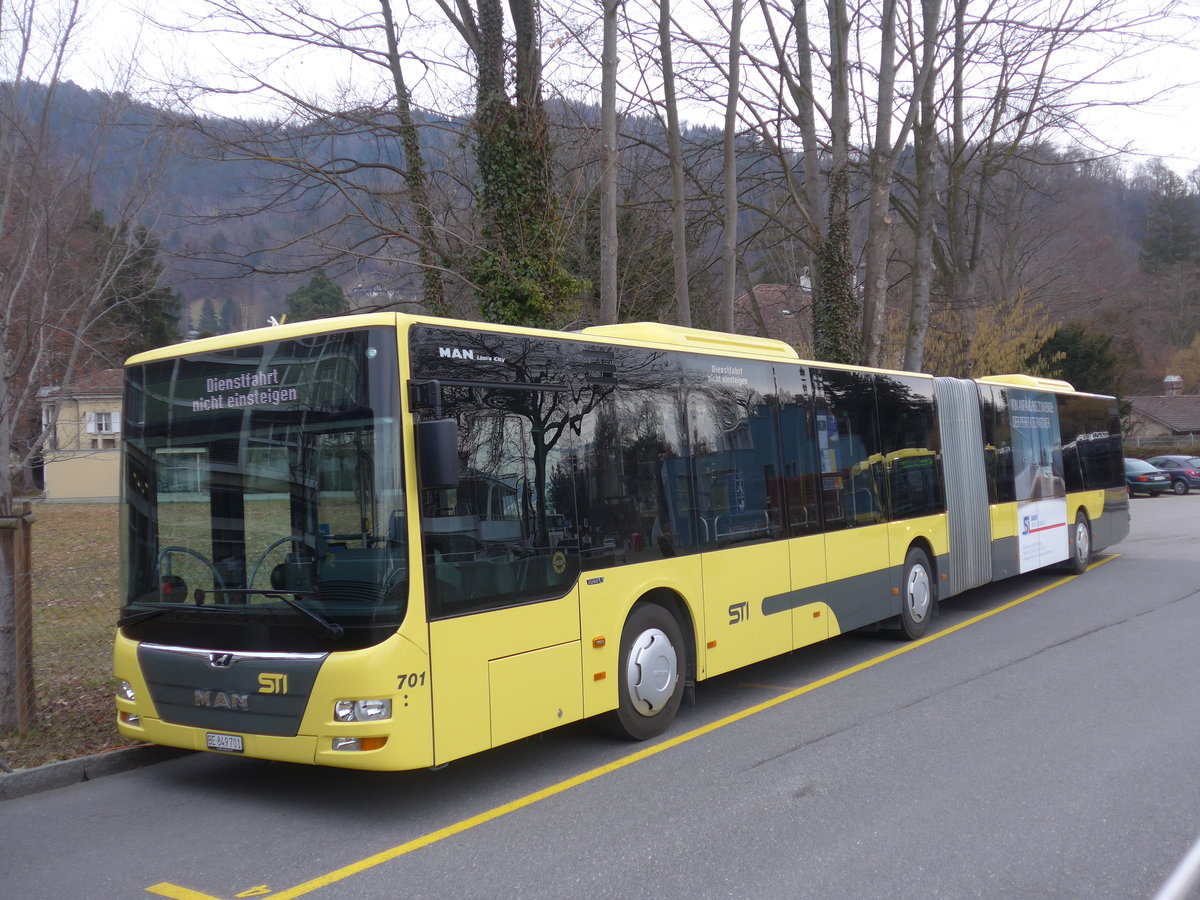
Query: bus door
[[502, 596], [853, 497], [740, 516]]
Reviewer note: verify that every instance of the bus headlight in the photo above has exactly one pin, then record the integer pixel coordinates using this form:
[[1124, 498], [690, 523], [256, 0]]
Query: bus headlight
[[362, 710], [125, 691]]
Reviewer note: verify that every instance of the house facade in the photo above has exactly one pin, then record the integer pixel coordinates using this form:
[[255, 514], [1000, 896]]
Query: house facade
[[82, 457]]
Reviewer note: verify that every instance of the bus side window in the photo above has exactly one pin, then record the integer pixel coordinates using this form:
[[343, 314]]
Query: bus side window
[[735, 450], [487, 539], [908, 426], [847, 435]]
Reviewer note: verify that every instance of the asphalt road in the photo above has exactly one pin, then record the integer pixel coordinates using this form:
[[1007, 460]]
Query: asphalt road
[[1044, 743]]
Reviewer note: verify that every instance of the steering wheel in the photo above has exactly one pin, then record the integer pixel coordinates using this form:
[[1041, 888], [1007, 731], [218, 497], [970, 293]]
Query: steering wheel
[[300, 547], [218, 583]]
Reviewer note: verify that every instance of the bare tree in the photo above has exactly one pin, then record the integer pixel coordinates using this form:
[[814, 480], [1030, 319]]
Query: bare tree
[[922, 222], [729, 234], [61, 264], [352, 163], [885, 154], [782, 103], [519, 273], [836, 334], [1015, 83], [683, 305], [414, 173]]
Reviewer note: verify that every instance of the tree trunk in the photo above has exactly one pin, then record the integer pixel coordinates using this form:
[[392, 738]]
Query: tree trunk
[[836, 308], [925, 139], [729, 240], [432, 292], [679, 249], [879, 220], [609, 307], [9, 656], [807, 121]]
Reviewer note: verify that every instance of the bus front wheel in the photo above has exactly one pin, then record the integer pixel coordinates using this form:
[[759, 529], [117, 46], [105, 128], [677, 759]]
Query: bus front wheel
[[651, 675], [919, 594]]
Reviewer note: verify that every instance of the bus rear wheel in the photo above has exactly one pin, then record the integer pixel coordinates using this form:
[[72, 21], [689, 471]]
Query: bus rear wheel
[[651, 675], [1081, 544], [919, 594]]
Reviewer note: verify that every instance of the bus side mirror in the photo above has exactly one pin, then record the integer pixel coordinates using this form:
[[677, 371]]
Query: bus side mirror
[[437, 453]]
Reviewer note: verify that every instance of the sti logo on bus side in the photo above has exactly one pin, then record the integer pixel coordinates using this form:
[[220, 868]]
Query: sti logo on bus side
[[461, 353], [230, 700]]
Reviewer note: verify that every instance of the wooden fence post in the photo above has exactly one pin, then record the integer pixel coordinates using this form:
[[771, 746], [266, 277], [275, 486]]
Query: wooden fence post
[[17, 546]]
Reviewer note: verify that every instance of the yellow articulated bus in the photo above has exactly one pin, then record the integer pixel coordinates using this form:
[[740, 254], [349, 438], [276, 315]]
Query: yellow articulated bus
[[387, 542]]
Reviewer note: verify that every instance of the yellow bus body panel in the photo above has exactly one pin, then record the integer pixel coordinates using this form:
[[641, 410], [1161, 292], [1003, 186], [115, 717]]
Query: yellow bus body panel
[[856, 551], [605, 598], [1004, 520], [932, 530], [467, 715], [735, 583], [534, 691], [815, 621], [1091, 502]]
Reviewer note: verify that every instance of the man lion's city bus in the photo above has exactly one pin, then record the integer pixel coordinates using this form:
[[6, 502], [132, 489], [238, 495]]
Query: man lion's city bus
[[387, 542]]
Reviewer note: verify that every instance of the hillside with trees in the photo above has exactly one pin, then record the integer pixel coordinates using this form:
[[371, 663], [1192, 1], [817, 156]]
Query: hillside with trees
[[1079, 250]]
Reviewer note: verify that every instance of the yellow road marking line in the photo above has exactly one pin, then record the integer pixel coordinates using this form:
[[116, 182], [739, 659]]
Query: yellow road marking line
[[166, 889], [497, 812]]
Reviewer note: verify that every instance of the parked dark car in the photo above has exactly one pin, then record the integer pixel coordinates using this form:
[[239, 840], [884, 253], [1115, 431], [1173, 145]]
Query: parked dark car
[[1143, 478], [1184, 471]]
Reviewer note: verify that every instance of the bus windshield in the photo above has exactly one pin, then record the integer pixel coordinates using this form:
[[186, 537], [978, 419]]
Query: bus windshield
[[263, 496]]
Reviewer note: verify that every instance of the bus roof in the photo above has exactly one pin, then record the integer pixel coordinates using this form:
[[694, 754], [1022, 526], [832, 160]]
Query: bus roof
[[693, 338], [654, 333], [1029, 381], [266, 333]]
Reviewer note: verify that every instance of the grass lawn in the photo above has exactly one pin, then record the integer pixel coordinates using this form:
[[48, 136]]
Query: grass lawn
[[75, 580]]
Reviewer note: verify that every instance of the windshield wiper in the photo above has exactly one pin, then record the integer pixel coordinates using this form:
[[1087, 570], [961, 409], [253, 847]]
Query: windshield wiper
[[161, 608], [333, 627], [134, 618]]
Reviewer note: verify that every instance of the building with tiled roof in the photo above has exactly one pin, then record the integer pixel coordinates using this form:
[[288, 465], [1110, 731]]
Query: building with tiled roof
[[1170, 414]]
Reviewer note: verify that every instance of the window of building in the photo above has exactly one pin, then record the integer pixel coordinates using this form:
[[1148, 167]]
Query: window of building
[[102, 423]]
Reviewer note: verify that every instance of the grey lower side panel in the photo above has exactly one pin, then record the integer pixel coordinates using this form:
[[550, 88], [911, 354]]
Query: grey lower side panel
[[1006, 558], [1113, 526], [857, 601]]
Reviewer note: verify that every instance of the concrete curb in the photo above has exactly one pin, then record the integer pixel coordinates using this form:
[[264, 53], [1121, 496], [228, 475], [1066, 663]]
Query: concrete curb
[[24, 782]]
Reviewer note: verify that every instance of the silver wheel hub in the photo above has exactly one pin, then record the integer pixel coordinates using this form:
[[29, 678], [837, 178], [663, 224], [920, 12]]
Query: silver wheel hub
[[651, 671], [1083, 541], [917, 593]]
